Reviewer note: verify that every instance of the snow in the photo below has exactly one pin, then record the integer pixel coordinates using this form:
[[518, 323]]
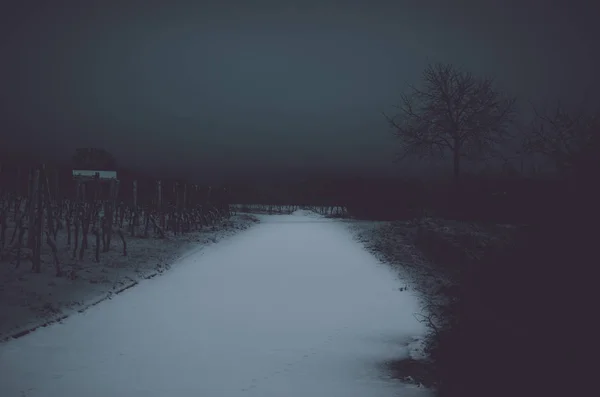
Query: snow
[[29, 300], [292, 307]]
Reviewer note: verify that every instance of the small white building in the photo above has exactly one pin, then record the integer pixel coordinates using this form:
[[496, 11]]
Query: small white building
[[90, 174]]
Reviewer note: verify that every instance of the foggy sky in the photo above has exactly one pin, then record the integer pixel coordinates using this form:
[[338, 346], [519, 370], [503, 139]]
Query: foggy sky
[[240, 88]]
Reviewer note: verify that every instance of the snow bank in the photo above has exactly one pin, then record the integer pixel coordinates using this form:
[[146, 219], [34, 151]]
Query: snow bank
[[293, 307]]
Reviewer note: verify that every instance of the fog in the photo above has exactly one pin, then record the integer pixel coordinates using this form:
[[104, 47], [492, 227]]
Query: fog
[[234, 89]]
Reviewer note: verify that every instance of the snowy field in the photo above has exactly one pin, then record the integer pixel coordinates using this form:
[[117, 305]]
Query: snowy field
[[291, 307]]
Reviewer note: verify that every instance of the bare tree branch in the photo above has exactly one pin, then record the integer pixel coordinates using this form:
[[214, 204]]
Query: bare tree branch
[[453, 112], [560, 135]]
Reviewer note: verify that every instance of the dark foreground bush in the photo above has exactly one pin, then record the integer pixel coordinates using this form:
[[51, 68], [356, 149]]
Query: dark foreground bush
[[521, 322]]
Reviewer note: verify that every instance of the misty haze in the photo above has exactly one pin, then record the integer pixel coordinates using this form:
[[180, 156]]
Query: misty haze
[[279, 198]]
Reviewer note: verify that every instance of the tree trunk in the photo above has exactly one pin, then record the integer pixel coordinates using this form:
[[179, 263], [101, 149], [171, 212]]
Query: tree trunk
[[456, 166]]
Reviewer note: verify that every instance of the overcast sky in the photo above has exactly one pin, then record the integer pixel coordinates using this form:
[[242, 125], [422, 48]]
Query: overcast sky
[[247, 86]]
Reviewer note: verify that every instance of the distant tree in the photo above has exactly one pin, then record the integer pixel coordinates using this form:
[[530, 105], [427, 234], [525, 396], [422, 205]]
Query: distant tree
[[564, 138], [454, 112], [93, 159]]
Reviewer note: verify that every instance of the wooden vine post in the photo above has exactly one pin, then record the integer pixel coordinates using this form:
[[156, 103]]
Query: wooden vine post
[[134, 209], [39, 222], [88, 213], [159, 204], [107, 224], [77, 209], [32, 193], [177, 208], [50, 231]]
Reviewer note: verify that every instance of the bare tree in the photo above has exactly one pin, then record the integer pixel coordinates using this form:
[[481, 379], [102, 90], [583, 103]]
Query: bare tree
[[561, 136], [454, 112]]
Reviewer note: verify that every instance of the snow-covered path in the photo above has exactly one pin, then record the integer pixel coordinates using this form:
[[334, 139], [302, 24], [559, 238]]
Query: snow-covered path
[[291, 308]]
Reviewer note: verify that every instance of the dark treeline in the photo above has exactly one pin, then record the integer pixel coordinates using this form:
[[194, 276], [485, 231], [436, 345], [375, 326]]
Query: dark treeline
[[484, 197]]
